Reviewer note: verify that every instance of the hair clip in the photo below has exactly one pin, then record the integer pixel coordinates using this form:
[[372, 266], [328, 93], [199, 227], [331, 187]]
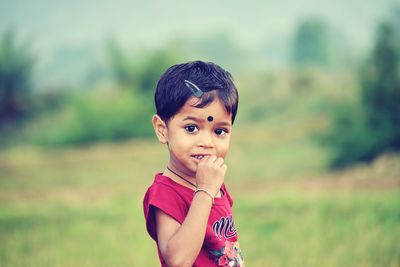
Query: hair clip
[[194, 88]]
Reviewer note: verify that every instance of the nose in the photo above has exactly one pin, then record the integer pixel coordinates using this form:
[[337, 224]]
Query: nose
[[206, 140]]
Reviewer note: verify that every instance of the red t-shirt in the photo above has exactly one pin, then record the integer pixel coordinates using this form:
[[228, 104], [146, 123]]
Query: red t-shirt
[[220, 247]]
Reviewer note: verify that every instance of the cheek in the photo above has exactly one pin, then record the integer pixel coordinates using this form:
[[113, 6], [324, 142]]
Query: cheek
[[179, 141], [223, 148]]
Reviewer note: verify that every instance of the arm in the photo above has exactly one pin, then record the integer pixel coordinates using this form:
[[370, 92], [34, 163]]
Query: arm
[[181, 244]]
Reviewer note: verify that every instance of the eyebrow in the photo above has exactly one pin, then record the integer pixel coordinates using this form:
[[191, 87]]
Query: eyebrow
[[224, 123], [193, 119]]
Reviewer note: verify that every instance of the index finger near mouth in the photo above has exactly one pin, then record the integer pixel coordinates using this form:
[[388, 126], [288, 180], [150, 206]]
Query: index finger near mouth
[[219, 161], [212, 158]]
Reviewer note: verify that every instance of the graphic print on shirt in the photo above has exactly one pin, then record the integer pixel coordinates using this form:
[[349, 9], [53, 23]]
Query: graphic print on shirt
[[228, 255], [224, 228]]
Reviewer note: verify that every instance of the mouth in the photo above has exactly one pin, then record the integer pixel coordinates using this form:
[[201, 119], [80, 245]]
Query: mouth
[[199, 156]]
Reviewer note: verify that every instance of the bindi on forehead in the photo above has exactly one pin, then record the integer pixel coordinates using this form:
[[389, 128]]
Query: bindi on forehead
[[210, 118]]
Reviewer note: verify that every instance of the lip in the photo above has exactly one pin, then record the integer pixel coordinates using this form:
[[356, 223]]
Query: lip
[[199, 157]]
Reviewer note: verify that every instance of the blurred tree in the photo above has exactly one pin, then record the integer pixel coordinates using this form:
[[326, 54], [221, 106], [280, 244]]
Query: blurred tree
[[311, 44], [381, 88], [395, 21], [152, 67], [16, 65], [142, 73], [360, 131], [122, 68]]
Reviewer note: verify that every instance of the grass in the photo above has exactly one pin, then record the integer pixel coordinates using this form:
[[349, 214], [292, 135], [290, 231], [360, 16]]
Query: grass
[[75, 207], [82, 207], [330, 229]]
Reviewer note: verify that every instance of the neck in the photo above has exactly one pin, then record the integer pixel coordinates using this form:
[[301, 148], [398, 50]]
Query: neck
[[181, 177]]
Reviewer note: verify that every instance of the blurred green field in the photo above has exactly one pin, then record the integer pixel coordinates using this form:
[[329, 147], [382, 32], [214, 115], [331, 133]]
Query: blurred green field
[[77, 150], [83, 206]]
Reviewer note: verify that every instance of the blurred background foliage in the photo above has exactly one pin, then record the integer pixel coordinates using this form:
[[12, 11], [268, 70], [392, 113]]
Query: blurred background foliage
[[114, 110], [312, 44], [316, 140], [371, 122], [16, 65]]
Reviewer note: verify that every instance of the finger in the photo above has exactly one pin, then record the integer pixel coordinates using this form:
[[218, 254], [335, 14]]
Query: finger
[[205, 159], [212, 158], [219, 162], [224, 167]]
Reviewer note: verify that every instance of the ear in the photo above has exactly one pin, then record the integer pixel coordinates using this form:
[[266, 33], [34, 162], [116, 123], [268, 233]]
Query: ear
[[160, 128]]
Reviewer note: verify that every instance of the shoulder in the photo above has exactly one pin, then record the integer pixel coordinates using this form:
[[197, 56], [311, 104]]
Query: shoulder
[[163, 189], [162, 192], [166, 196]]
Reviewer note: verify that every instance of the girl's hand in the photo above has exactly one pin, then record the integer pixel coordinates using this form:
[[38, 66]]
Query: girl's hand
[[211, 173]]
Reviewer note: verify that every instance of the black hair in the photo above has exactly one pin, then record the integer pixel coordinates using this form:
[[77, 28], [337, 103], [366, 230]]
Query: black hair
[[172, 92]]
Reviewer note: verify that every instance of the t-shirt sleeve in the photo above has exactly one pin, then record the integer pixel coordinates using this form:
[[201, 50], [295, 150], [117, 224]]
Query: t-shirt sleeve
[[165, 198]]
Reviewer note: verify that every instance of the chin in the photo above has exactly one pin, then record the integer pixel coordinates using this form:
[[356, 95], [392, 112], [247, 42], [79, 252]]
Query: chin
[[192, 169]]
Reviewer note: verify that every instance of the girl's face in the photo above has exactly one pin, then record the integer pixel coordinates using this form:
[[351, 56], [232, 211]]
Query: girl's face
[[193, 133]]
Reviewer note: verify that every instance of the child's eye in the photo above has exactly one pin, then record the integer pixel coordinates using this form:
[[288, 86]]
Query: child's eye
[[220, 132], [191, 128]]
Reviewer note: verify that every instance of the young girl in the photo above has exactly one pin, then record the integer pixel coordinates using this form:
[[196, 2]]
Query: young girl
[[188, 209]]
